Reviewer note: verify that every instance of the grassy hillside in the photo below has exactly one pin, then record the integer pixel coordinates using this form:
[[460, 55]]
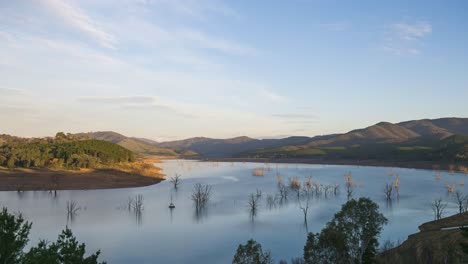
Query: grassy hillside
[[438, 242]]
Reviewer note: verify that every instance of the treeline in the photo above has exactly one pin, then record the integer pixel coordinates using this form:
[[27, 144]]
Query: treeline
[[63, 151]]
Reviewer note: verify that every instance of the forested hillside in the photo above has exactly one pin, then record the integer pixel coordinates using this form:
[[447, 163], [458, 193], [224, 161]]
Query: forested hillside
[[137, 145], [63, 151]]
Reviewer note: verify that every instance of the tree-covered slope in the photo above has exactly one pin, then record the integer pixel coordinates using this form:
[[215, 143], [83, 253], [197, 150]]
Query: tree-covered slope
[[61, 152]]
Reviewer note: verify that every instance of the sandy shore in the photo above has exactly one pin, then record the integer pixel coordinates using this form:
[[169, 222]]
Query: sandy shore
[[138, 174]]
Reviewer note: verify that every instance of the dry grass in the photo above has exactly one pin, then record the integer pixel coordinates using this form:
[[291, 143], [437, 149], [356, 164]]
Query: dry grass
[[431, 245]]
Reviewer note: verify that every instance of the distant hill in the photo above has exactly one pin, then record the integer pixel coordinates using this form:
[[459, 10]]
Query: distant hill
[[438, 139], [209, 147], [137, 145], [405, 133]]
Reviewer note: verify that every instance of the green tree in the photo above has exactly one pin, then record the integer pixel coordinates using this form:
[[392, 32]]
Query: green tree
[[252, 253], [14, 231], [66, 250], [350, 237], [327, 247]]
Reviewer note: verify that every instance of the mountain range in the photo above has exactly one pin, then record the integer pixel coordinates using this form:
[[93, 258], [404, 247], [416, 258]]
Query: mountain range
[[384, 136]]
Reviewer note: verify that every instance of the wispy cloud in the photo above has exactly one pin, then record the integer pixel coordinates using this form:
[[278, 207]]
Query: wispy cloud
[[295, 116], [77, 18], [412, 31], [118, 99], [195, 8], [138, 103], [10, 91], [209, 42], [272, 96], [406, 38]]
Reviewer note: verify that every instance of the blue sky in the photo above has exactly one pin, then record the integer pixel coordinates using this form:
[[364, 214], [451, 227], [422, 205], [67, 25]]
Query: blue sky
[[171, 69]]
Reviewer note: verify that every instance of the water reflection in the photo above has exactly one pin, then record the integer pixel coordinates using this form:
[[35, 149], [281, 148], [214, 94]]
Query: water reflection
[[200, 214], [278, 221]]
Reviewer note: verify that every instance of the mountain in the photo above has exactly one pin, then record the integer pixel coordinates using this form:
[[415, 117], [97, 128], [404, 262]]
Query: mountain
[[417, 139], [209, 147], [137, 145]]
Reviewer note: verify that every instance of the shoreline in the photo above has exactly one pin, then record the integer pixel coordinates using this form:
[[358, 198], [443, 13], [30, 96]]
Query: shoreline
[[139, 174], [371, 163]]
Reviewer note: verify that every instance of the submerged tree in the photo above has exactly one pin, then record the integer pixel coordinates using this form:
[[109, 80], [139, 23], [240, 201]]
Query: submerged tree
[[252, 253], [388, 190], [253, 204], [201, 195], [175, 180]]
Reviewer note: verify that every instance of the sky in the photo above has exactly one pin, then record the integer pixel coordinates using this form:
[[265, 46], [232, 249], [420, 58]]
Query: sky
[[173, 69]]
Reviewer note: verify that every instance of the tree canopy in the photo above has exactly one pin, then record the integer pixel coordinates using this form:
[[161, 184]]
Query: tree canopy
[[60, 152], [350, 237], [251, 253]]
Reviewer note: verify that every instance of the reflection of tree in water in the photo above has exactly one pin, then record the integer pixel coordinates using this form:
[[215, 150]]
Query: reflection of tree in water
[[21, 194], [134, 206], [72, 211], [389, 204], [138, 217], [200, 214]]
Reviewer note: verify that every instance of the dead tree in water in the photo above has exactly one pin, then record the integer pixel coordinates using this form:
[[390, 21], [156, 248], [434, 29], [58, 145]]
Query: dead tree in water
[[271, 201], [388, 190], [201, 195], [175, 180], [72, 207], [253, 203], [305, 209], [138, 203]]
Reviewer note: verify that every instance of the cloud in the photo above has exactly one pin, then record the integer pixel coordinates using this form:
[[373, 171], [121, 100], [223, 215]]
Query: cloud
[[9, 91], [208, 42], [194, 8], [272, 96], [412, 31], [405, 38], [75, 17], [137, 103], [118, 99], [295, 116]]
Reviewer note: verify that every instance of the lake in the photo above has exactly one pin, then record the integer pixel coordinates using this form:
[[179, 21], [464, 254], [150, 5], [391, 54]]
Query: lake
[[181, 235]]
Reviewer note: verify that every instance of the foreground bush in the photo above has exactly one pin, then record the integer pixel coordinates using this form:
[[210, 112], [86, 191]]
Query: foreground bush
[[14, 231]]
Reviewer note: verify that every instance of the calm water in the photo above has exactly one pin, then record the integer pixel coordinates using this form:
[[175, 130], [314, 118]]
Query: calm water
[[160, 235]]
